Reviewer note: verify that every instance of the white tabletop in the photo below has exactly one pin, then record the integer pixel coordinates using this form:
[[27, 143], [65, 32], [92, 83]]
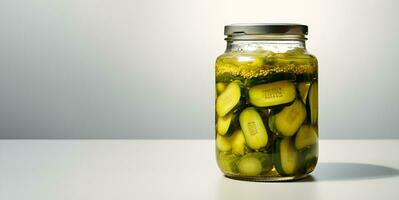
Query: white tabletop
[[184, 169]]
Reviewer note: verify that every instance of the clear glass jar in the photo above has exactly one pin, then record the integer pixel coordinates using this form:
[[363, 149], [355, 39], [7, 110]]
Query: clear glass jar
[[266, 103]]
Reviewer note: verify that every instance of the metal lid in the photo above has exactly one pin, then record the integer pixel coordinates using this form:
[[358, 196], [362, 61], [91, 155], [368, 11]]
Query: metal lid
[[266, 28]]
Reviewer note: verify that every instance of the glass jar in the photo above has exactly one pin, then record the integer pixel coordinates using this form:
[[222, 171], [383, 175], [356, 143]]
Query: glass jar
[[266, 103]]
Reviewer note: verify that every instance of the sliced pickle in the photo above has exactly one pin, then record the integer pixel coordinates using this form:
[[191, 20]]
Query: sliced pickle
[[254, 129], [228, 162], [289, 119], [287, 158], [238, 146], [228, 99], [313, 103], [224, 124], [303, 90], [220, 87], [254, 164], [223, 143], [306, 136], [272, 94], [309, 158]]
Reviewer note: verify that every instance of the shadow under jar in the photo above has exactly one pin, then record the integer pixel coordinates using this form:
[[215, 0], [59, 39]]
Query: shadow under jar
[[266, 103]]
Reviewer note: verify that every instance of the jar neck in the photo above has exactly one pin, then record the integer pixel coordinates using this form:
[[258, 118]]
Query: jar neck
[[277, 46]]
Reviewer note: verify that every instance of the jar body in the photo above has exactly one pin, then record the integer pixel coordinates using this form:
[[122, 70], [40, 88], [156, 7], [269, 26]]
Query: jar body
[[266, 110]]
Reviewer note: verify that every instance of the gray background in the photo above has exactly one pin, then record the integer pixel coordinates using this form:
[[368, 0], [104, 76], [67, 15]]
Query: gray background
[[144, 69]]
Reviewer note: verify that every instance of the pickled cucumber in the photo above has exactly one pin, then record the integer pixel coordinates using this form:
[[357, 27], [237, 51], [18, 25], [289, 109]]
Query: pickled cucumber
[[253, 128], [238, 145], [228, 99], [286, 157], [227, 162], [272, 94], [223, 143], [306, 136], [254, 164], [289, 119], [220, 87], [224, 124], [309, 158], [303, 90], [313, 103]]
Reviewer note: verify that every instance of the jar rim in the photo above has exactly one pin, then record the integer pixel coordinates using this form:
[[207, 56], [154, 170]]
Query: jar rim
[[266, 29], [265, 37]]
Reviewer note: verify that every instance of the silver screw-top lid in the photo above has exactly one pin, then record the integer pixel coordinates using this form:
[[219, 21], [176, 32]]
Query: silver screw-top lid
[[266, 28]]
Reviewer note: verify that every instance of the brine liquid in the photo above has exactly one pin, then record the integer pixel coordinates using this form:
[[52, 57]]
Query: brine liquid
[[266, 114]]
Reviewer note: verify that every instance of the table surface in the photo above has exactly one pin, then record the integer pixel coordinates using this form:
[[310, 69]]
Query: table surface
[[184, 169]]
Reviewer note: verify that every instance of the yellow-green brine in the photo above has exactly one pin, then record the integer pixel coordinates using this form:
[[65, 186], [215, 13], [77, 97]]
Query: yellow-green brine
[[266, 108]]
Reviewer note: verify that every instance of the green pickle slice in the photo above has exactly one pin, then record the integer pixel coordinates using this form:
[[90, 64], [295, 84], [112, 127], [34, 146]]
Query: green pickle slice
[[223, 143], [220, 87], [228, 99], [227, 162], [303, 90], [306, 136], [253, 128], [272, 94], [254, 164], [238, 146], [224, 124], [287, 159], [289, 119], [309, 158], [313, 103]]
